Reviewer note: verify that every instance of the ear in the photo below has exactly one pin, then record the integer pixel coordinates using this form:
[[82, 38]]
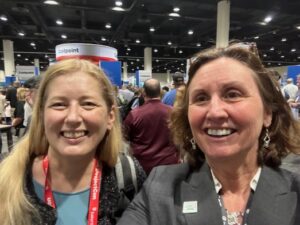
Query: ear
[[267, 118], [111, 117]]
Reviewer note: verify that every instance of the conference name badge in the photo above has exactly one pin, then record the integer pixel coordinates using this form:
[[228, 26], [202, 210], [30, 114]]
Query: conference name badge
[[190, 207]]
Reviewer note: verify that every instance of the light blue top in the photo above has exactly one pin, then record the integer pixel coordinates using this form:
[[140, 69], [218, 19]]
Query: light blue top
[[72, 208]]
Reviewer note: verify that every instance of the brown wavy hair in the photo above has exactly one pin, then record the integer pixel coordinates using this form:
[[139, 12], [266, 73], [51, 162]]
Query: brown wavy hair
[[284, 130]]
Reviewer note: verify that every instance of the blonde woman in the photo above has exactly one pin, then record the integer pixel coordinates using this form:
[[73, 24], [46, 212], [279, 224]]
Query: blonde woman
[[62, 171]]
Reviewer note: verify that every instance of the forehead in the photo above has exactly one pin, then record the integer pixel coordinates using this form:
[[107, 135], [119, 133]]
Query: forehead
[[223, 69]]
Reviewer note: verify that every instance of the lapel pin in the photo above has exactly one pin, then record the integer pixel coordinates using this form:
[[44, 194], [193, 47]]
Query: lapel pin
[[190, 207]]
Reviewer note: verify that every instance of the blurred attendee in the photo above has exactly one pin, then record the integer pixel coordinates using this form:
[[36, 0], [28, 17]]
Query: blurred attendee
[[169, 97], [2, 103], [147, 131], [291, 89], [18, 119], [11, 94]]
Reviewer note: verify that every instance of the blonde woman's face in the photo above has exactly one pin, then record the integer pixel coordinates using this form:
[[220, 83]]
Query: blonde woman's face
[[76, 116]]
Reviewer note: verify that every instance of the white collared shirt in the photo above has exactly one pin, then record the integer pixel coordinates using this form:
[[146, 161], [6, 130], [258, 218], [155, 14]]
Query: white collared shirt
[[253, 182]]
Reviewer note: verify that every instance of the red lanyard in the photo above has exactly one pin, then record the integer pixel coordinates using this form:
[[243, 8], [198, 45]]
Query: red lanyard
[[94, 201]]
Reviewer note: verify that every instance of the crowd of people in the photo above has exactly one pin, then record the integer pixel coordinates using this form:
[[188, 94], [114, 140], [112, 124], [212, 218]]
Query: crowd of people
[[208, 151]]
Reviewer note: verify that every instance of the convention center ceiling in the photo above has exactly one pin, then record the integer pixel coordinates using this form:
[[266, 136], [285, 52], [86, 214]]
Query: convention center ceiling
[[174, 29]]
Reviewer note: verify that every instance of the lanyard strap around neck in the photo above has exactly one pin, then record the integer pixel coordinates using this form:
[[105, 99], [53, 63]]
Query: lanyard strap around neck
[[94, 199]]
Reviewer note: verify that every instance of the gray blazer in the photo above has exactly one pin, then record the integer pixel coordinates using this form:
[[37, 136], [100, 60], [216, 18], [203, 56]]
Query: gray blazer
[[276, 200]]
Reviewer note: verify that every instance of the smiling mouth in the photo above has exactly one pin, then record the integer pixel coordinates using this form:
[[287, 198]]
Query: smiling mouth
[[219, 132], [73, 134]]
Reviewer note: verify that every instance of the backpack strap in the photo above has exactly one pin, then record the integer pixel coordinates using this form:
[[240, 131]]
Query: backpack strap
[[126, 176]]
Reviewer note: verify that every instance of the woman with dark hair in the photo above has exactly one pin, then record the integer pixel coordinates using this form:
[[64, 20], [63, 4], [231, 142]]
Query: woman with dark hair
[[234, 127]]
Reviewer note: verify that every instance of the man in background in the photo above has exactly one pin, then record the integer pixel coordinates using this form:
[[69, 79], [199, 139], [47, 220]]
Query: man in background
[[147, 131], [169, 97]]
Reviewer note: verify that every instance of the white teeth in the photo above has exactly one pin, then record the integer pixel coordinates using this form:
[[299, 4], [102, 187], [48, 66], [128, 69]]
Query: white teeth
[[73, 134], [219, 132]]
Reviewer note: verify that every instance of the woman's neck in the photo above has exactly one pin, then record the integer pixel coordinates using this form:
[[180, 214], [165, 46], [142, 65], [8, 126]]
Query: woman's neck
[[71, 174]]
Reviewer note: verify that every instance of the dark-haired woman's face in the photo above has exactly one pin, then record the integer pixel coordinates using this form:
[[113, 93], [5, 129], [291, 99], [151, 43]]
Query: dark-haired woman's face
[[225, 112]]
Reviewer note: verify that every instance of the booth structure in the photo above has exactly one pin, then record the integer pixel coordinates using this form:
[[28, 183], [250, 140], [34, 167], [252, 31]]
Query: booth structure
[[293, 72], [104, 56]]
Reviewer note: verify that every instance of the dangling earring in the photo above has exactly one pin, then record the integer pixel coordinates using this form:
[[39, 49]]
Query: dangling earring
[[267, 139], [193, 143]]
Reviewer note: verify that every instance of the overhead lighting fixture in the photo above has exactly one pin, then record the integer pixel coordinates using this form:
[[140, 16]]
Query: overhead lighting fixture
[[3, 18], [174, 14], [169, 43], [26, 59], [180, 51], [293, 50], [129, 49], [32, 44], [263, 23], [108, 26], [152, 29], [190, 32], [282, 56], [176, 9], [19, 55], [265, 55], [137, 60], [272, 48], [298, 27], [51, 2], [157, 60], [283, 39], [59, 22], [198, 44], [155, 50], [117, 8], [103, 39], [118, 3], [21, 34], [137, 41], [256, 37], [63, 36], [268, 19]]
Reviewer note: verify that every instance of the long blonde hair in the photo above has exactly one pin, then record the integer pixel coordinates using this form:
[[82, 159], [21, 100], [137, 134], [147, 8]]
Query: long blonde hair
[[15, 207]]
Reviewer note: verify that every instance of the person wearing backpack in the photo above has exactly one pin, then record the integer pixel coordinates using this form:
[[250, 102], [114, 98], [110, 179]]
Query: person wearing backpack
[[64, 170]]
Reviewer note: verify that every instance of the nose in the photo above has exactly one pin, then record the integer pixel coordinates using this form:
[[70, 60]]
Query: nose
[[74, 114], [216, 108]]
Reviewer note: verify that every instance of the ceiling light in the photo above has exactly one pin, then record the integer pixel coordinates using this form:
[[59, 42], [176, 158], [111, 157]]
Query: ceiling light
[[21, 34], [152, 29], [127, 53], [129, 49], [263, 23], [182, 64], [3, 18], [293, 50], [169, 43], [46, 56], [155, 50], [63, 36], [26, 59], [157, 60], [265, 55], [174, 14], [176, 9], [272, 48], [137, 41], [59, 22], [282, 56], [51, 2], [117, 8], [180, 51], [118, 3], [103, 39], [298, 27], [137, 60], [32, 44], [108, 26], [268, 19], [190, 32], [256, 37], [19, 55], [279, 64], [198, 44], [283, 39], [298, 57]]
